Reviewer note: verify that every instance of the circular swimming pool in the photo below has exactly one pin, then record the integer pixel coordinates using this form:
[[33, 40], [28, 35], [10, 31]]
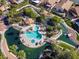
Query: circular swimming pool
[[34, 34], [33, 37]]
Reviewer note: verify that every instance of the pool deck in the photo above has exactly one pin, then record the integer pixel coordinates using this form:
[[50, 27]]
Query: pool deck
[[27, 41], [29, 44]]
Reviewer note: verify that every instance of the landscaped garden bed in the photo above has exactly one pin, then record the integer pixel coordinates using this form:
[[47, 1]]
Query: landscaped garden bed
[[12, 37], [30, 13]]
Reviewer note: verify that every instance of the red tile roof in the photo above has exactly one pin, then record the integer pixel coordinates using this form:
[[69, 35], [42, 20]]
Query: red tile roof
[[60, 3], [77, 10], [64, 4]]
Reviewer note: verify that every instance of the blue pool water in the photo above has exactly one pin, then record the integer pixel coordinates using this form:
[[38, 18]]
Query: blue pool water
[[34, 34], [33, 41]]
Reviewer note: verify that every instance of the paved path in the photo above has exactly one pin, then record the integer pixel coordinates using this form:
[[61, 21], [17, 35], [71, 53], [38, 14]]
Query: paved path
[[5, 50], [57, 35], [74, 33], [70, 30], [29, 5]]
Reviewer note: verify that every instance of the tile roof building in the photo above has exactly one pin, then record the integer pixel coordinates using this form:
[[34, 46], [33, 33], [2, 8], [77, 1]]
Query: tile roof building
[[3, 7], [74, 11], [77, 10], [67, 5], [45, 1], [64, 4], [52, 1]]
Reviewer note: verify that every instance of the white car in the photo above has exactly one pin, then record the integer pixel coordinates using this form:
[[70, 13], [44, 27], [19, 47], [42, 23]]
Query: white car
[[36, 1]]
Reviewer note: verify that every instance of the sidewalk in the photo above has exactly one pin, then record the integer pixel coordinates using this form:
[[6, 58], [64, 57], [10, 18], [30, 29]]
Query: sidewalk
[[70, 30], [5, 50], [29, 5], [56, 36]]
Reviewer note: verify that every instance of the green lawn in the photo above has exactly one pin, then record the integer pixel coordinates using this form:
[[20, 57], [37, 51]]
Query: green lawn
[[65, 46], [29, 12], [12, 37], [68, 22], [64, 37], [74, 54]]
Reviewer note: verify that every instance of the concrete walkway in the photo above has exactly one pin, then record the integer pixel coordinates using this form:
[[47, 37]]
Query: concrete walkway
[[5, 49], [29, 5], [56, 36], [72, 31]]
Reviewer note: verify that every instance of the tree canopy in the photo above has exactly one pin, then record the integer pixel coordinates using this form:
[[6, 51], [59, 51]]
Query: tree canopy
[[21, 54], [29, 12], [56, 19]]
